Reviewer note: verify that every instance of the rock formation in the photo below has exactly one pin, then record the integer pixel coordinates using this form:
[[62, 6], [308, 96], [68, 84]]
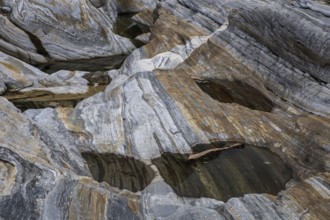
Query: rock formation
[[86, 135], [42, 32]]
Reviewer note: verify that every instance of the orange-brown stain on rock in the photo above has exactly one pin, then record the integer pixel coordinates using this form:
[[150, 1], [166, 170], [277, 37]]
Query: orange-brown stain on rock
[[203, 112], [10, 67], [14, 72], [88, 202], [311, 200], [133, 204], [8, 174], [169, 31]]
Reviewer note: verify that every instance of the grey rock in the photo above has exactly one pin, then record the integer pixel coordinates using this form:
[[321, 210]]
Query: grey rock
[[143, 37], [30, 36], [154, 104], [145, 17], [3, 87], [8, 174], [98, 3], [135, 6], [28, 179], [5, 9], [27, 85]]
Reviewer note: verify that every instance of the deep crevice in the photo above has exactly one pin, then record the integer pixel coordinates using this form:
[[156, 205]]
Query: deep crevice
[[25, 105], [97, 82], [38, 44], [93, 64], [125, 26]]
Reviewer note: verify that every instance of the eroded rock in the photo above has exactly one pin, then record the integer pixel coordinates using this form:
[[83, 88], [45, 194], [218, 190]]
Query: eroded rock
[[153, 107], [81, 32], [8, 174], [28, 87]]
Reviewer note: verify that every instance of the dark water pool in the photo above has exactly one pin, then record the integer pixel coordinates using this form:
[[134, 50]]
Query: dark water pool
[[231, 173], [236, 92], [118, 171]]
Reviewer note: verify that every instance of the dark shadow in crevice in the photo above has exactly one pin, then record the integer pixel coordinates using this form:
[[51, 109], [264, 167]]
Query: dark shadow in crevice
[[92, 65], [236, 92], [225, 174], [38, 44], [119, 171], [25, 105], [97, 82], [125, 26]]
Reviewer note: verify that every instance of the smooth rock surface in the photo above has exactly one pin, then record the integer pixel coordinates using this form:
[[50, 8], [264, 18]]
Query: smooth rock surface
[[28, 87], [42, 32], [8, 178], [158, 103]]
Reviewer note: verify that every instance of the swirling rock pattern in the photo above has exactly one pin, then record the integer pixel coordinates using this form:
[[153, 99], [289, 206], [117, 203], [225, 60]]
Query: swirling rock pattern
[[220, 71], [44, 31]]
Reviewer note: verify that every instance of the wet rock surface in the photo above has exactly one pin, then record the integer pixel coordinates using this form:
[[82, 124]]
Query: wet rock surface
[[203, 72], [120, 172], [92, 65], [236, 92], [226, 174]]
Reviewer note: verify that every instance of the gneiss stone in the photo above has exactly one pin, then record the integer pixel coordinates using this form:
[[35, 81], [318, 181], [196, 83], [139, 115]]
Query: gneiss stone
[[60, 30], [212, 73], [5, 9]]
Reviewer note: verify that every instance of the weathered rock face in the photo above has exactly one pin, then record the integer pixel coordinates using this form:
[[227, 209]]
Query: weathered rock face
[[8, 178], [132, 6], [29, 87], [213, 75], [42, 32]]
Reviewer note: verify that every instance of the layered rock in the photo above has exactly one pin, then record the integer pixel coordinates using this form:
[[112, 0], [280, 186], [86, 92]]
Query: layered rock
[[44, 32], [213, 74], [134, 6], [28, 87]]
